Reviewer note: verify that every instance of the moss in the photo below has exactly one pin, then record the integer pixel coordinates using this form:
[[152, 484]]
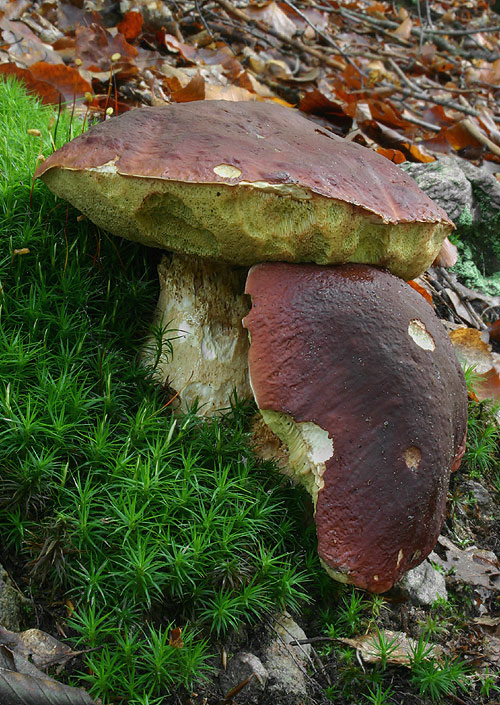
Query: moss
[[479, 245]]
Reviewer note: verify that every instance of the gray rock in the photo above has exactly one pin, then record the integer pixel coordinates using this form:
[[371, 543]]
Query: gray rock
[[446, 183], [286, 664], [11, 602], [423, 584], [239, 668], [470, 195], [474, 503]]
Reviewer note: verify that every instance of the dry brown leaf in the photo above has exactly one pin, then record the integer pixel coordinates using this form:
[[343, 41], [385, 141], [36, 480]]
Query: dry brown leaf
[[47, 93], [472, 350], [235, 93], [131, 25], [37, 646], [422, 291], [67, 80], [473, 565], [404, 29], [23, 44], [400, 647], [394, 155], [95, 46], [272, 15], [195, 90]]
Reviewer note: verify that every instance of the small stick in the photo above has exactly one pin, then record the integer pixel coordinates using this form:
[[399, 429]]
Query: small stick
[[203, 20], [326, 37], [474, 130], [231, 10], [403, 76]]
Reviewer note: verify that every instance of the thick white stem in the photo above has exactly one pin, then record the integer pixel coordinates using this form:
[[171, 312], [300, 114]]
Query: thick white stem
[[204, 346]]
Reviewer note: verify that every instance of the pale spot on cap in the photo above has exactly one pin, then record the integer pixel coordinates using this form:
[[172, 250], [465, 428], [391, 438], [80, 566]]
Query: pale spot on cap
[[227, 171], [420, 335], [413, 456]]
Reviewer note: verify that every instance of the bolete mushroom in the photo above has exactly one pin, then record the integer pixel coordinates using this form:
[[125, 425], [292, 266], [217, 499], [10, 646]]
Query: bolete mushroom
[[225, 185], [352, 369]]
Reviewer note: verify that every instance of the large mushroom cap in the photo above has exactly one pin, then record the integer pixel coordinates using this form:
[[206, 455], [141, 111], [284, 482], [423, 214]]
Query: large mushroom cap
[[354, 372], [247, 182]]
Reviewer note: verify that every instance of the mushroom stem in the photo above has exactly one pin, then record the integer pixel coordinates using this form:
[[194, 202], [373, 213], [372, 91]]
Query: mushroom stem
[[201, 348]]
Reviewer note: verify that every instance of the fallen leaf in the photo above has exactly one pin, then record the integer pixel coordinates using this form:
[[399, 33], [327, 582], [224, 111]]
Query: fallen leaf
[[95, 46], [394, 155], [24, 45], [472, 350], [46, 92], [131, 25], [37, 646], [195, 90], [422, 291], [404, 29], [400, 647], [272, 15], [473, 566], [65, 79], [175, 639]]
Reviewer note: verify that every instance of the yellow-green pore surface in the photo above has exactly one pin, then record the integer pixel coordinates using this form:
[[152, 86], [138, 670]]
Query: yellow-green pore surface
[[246, 224]]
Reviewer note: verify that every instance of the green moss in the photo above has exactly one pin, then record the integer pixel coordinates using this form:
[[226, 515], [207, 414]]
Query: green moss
[[479, 246]]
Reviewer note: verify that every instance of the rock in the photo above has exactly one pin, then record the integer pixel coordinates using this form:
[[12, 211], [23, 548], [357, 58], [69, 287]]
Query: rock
[[477, 502], [285, 664], [470, 195], [239, 668], [446, 183], [11, 602], [424, 584]]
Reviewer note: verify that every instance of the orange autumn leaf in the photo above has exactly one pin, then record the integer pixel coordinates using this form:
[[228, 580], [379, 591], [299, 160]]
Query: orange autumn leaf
[[376, 8], [175, 639], [195, 90], [423, 292], [494, 331], [131, 25], [394, 155], [65, 79], [47, 93], [459, 137], [420, 154]]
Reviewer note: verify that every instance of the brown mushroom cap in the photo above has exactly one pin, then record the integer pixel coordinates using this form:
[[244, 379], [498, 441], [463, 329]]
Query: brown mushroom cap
[[247, 182], [353, 361]]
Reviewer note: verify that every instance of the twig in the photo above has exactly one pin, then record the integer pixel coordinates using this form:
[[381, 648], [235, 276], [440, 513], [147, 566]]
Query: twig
[[300, 46], [385, 32], [467, 305], [441, 101], [403, 76], [418, 121], [474, 130], [326, 37], [439, 41], [203, 20], [465, 32], [311, 640]]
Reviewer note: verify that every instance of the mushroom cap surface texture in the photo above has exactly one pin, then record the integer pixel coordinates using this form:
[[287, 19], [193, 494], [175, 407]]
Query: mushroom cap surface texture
[[247, 182], [353, 362]]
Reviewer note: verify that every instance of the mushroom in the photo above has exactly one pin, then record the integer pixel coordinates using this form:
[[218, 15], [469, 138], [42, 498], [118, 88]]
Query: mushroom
[[353, 371], [224, 185]]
